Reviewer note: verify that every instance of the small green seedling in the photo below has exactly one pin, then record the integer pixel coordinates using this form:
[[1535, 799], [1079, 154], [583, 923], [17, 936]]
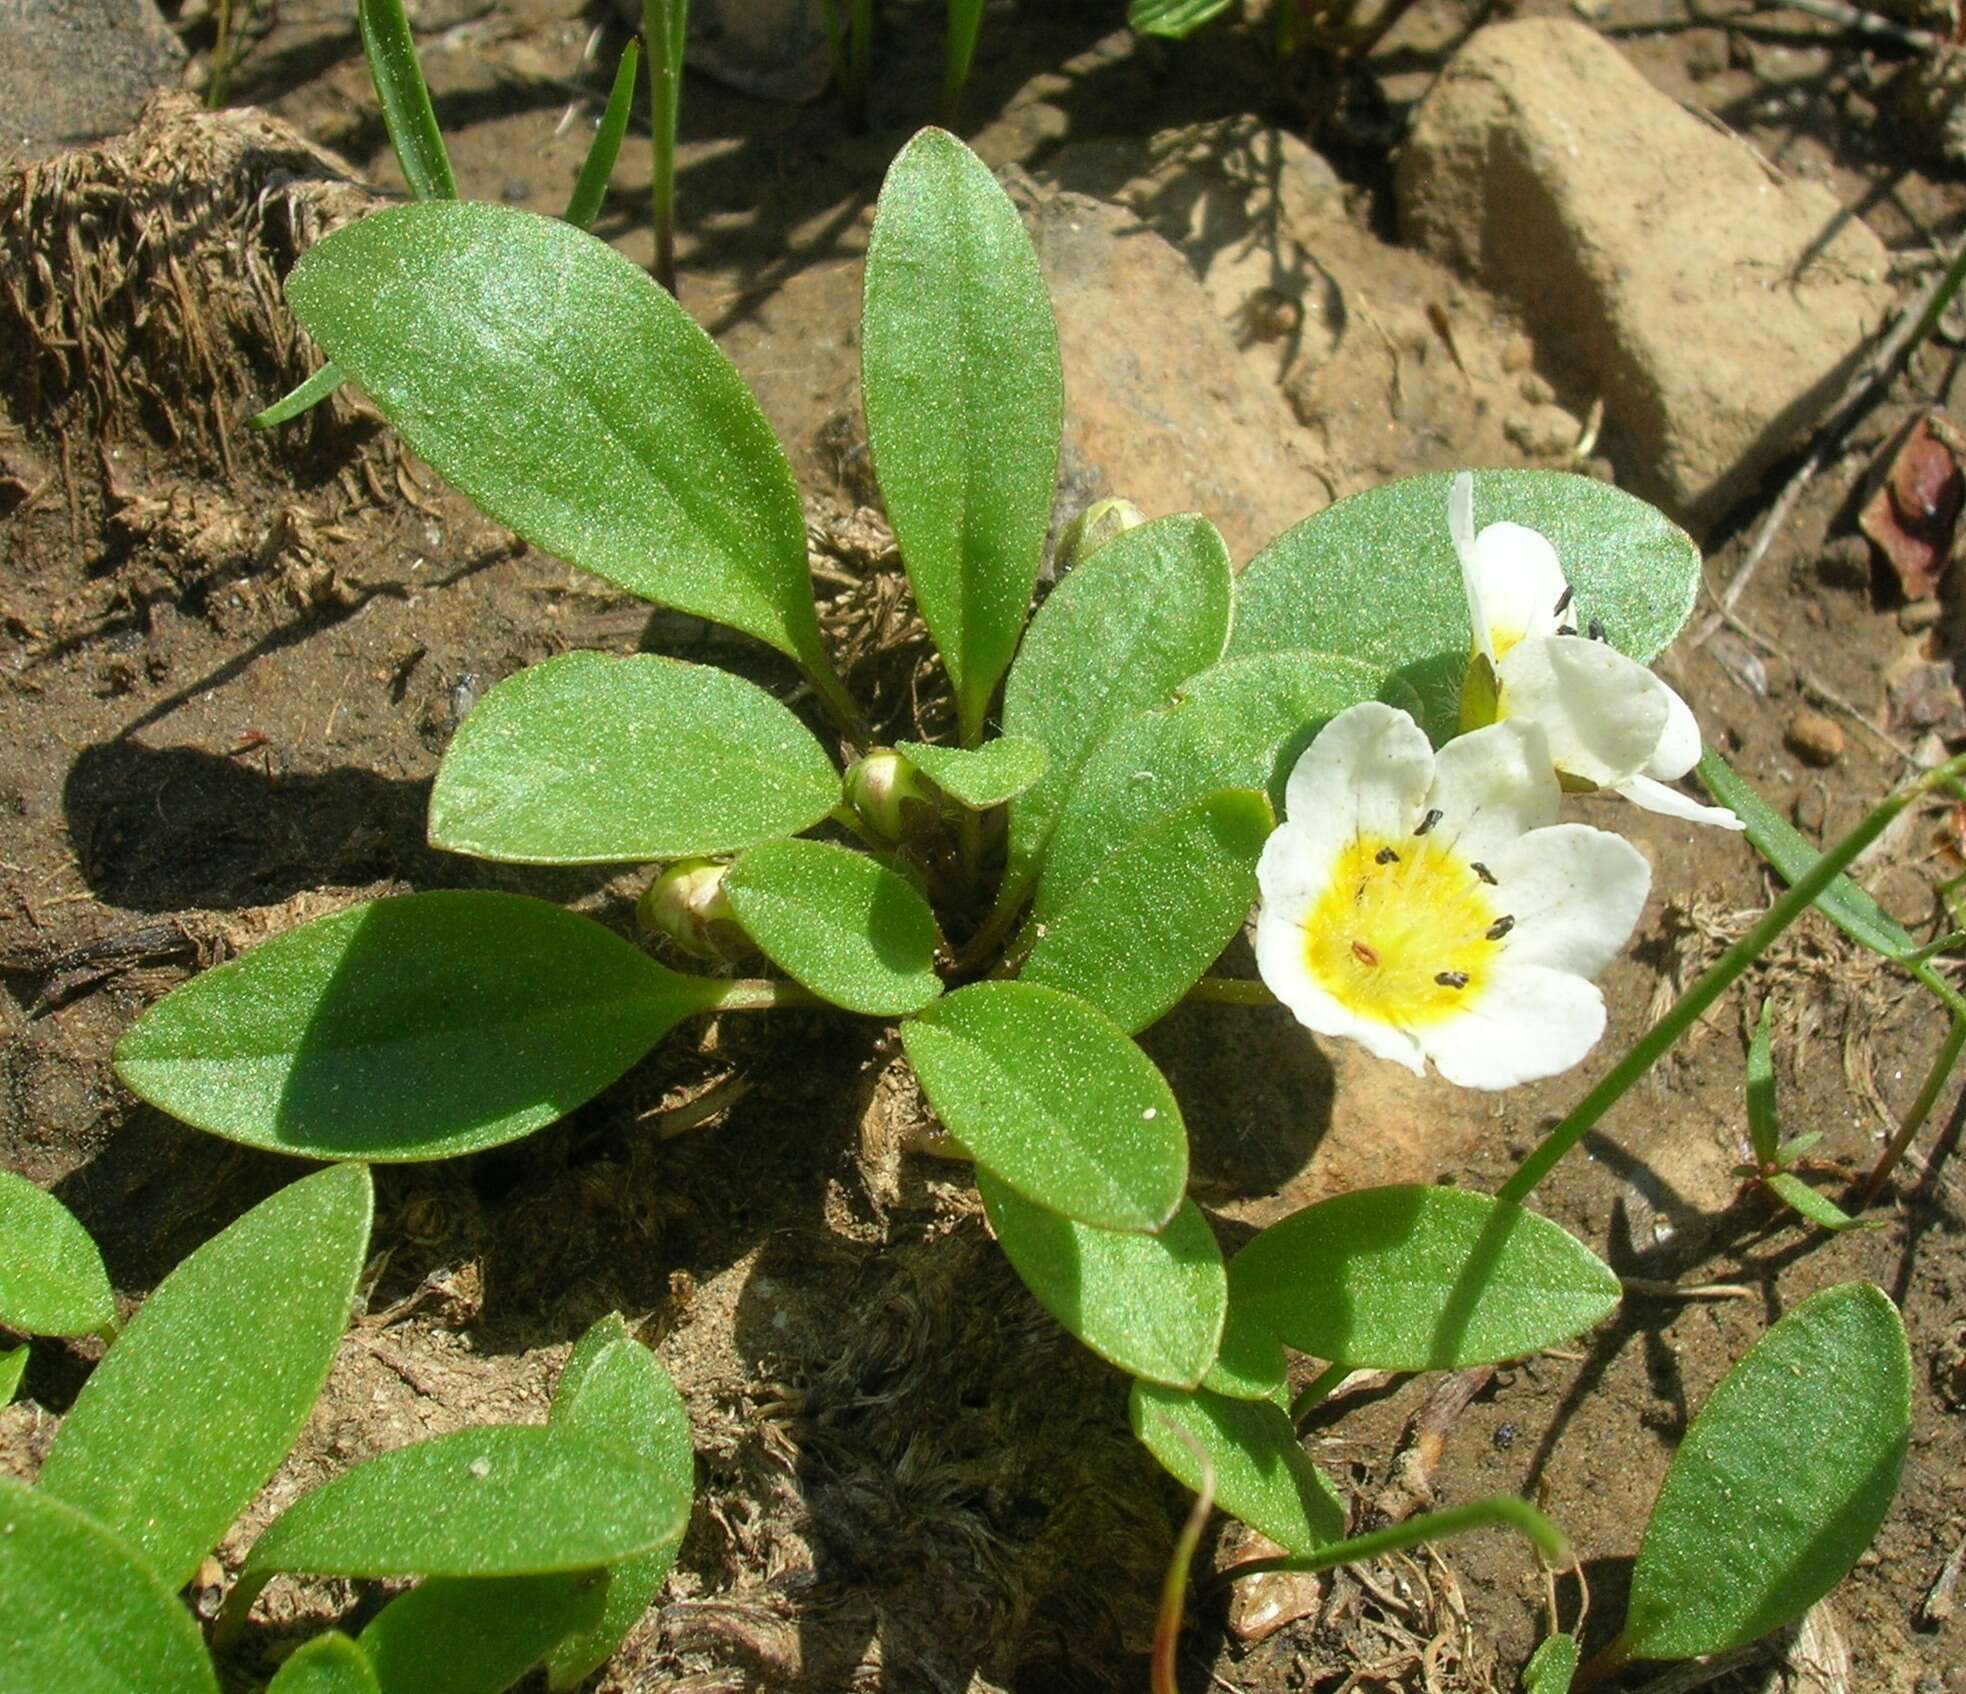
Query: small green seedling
[[1775, 1159]]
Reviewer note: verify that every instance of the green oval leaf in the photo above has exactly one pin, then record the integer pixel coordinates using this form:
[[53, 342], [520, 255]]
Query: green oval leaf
[[851, 930], [1250, 1364], [572, 399], [588, 759], [981, 777], [13, 1366], [1240, 724], [1416, 1278], [1376, 576], [1048, 1094], [328, 1664], [965, 401], [413, 1028], [1151, 1304], [84, 1614], [198, 1401], [1262, 1475], [1125, 629], [1140, 930], [51, 1276], [613, 1388], [506, 1501], [1551, 1666], [1780, 1482], [478, 1635]]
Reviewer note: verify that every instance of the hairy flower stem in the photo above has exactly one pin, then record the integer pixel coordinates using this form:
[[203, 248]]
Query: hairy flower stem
[[664, 23], [1685, 1011]]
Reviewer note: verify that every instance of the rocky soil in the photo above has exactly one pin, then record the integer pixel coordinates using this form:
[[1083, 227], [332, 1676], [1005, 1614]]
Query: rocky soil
[[1655, 242]]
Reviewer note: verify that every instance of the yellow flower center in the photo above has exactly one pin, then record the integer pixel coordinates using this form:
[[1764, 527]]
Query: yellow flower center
[[1404, 933]]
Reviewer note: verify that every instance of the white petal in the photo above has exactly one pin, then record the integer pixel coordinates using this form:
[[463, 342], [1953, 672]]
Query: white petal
[[1280, 961], [1491, 785], [1365, 774], [1575, 893], [1520, 583], [1657, 797], [1528, 1022], [1604, 713], [1679, 745], [1460, 525]]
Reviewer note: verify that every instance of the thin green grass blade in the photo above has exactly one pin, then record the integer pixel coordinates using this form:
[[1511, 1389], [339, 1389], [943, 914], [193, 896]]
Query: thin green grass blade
[[592, 188], [405, 97]]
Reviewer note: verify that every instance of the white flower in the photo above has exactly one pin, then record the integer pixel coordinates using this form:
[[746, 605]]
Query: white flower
[[1430, 906], [1611, 723]]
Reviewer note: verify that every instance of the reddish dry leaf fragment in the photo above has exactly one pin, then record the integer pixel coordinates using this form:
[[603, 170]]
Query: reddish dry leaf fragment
[[1911, 515]]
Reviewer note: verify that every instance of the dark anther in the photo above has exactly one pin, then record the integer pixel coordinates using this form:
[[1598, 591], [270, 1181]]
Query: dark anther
[[1452, 979], [1385, 856], [1364, 954], [1563, 600], [1500, 927], [1597, 630], [1428, 822], [1482, 871]]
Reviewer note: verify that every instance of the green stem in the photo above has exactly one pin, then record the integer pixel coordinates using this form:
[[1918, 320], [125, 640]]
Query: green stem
[[1921, 1109], [849, 820], [837, 703], [663, 25], [1654, 1043], [1318, 1390], [1286, 30], [760, 994], [1002, 919], [1232, 991], [215, 91], [1501, 1509]]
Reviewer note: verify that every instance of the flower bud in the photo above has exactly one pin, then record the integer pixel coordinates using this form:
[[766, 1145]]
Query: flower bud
[[893, 799], [1093, 528], [687, 904]]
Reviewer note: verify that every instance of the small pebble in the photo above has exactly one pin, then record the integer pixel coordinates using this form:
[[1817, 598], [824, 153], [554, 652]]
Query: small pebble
[[1535, 388], [1518, 355], [1814, 738], [517, 191], [1810, 811]]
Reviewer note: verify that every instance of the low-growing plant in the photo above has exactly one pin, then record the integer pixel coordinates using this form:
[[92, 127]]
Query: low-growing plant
[[533, 1544], [1024, 890]]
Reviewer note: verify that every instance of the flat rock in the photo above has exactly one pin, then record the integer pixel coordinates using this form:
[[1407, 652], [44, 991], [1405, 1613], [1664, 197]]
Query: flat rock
[[1661, 266], [75, 70], [1157, 395]]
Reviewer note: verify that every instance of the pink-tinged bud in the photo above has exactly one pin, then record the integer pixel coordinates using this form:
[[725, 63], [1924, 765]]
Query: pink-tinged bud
[[894, 800], [687, 904]]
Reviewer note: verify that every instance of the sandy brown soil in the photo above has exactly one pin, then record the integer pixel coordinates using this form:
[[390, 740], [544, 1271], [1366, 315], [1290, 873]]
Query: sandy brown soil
[[229, 665]]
